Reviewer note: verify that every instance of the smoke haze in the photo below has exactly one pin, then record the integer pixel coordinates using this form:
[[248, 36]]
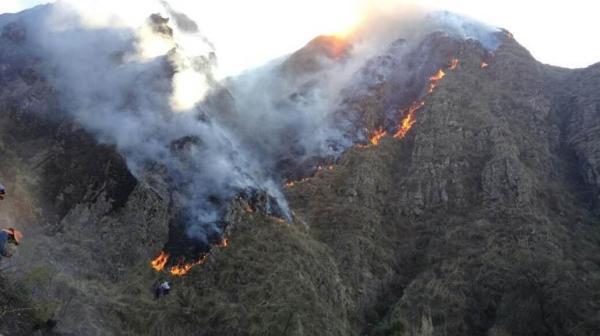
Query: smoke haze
[[148, 87]]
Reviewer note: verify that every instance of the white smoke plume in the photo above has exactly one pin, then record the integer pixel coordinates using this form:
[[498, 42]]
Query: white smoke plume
[[147, 85]]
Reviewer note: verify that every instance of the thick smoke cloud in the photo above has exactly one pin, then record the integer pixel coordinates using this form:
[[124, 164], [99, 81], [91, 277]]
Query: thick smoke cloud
[[150, 90]]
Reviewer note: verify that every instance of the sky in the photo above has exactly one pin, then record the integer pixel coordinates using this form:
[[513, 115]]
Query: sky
[[248, 33]]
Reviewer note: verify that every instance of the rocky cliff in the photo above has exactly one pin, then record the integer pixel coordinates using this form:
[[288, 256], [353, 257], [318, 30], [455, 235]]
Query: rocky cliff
[[481, 220]]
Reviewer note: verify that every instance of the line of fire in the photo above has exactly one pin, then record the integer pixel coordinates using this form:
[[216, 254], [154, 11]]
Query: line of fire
[[164, 262]]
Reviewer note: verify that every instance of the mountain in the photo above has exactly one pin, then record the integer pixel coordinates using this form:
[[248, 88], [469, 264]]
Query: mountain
[[462, 200]]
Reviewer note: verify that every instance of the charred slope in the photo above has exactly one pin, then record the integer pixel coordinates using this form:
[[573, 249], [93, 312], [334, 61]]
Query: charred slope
[[481, 221]]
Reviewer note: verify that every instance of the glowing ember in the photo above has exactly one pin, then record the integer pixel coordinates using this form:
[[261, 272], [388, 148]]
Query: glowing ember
[[409, 120], [454, 64], [224, 243], [483, 65], [377, 136], [159, 262], [291, 184]]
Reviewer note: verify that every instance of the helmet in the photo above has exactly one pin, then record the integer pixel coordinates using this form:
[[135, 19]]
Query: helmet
[[16, 234]]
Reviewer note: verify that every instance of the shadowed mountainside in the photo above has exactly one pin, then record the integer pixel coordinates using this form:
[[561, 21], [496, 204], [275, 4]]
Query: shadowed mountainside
[[483, 220]]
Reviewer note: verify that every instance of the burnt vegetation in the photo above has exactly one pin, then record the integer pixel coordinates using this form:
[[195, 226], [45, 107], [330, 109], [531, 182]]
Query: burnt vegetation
[[481, 220]]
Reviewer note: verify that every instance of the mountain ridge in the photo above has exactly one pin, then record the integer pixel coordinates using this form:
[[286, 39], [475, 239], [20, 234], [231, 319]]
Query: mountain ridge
[[482, 220]]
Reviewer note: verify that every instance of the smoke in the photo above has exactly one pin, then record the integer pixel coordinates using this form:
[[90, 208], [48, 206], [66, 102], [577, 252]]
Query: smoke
[[147, 85]]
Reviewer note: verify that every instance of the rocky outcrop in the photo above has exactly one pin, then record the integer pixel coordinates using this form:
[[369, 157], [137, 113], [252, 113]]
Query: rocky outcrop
[[481, 221]]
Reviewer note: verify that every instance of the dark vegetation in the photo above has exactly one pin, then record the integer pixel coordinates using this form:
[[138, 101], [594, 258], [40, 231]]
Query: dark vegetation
[[482, 221]]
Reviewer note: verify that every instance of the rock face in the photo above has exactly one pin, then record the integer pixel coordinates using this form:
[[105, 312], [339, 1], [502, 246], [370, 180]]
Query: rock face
[[481, 221]]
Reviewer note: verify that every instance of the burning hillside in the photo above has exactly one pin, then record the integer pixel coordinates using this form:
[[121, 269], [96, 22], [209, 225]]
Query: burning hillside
[[157, 98], [351, 188]]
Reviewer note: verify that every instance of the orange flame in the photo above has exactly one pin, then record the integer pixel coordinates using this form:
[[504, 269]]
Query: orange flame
[[483, 65], [291, 184], [438, 75], [159, 262], [224, 243], [182, 268], [409, 120], [377, 136], [454, 64], [433, 80]]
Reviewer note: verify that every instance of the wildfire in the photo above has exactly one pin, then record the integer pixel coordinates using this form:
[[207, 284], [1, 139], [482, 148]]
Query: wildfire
[[224, 243], [433, 80], [483, 65], [438, 76], [159, 262], [409, 120], [182, 268], [291, 184], [377, 136], [454, 63], [410, 116]]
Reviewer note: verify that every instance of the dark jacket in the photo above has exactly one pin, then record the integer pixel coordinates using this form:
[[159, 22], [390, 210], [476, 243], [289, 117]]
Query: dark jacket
[[4, 239]]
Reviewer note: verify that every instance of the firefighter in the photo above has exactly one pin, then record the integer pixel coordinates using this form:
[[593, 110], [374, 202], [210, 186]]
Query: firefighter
[[163, 288], [9, 239]]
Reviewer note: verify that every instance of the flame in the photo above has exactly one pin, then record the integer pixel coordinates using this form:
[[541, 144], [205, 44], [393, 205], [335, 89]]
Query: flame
[[291, 184], [454, 63], [377, 136], [433, 80], [483, 65], [438, 75], [159, 262], [182, 268], [409, 120]]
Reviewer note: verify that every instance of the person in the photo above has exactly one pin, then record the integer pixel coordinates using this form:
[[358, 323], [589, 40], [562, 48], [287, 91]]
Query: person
[[162, 289], [9, 239], [2, 191]]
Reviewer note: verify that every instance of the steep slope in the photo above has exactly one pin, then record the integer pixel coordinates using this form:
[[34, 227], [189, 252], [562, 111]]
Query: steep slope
[[482, 220], [479, 211]]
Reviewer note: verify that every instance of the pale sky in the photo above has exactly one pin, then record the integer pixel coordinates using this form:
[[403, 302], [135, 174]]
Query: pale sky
[[247, 33]]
